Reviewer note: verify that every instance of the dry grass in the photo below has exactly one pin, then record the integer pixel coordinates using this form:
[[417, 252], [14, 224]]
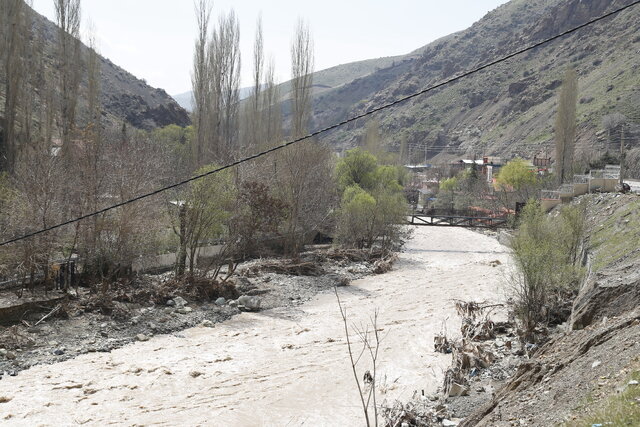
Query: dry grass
[[622, 409]]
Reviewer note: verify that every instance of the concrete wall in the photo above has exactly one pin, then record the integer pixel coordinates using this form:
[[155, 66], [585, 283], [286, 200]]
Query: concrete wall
[[580, 189], [167, 261]]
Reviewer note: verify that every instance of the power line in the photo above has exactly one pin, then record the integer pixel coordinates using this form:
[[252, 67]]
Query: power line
[[323, 130]]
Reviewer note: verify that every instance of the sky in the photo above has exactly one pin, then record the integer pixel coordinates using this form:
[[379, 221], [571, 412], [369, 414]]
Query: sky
[[154, 39]]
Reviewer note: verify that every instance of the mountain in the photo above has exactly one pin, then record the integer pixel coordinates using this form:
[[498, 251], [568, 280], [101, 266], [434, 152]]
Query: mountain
[[185, 99], [328, 79], [508, 109], [123, 96]]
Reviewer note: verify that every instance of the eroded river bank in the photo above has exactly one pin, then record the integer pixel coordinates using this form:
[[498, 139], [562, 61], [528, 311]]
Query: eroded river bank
[[284, 366]]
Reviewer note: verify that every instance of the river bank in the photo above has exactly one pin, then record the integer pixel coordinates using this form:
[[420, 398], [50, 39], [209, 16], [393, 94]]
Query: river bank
[[285, 365]]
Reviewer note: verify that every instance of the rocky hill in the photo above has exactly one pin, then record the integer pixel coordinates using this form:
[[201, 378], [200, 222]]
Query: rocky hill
[[124, 97], [508, 109]]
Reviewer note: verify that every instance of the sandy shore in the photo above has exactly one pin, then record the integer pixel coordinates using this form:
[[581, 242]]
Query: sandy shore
[[285, 366]]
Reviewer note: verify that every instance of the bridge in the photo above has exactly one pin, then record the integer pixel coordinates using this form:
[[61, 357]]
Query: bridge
[[454, 218]]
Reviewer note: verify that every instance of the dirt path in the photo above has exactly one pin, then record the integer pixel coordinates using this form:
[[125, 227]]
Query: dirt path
[[278, 367]]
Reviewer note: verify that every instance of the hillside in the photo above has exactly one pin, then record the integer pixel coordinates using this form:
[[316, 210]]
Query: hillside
[[578, 374], [323, 80], [124, 97], [510, 108]]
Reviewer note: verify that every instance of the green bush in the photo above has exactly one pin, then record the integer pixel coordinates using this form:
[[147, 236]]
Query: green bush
[[546, 253], [373, 207]]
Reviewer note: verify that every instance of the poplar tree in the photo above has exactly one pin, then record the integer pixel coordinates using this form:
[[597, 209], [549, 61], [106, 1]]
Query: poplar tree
[[70, 66], [565, 126]]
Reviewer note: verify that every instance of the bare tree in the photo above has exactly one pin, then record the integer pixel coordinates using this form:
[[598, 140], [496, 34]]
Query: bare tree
[[89, 168], [370, 341], [302, 64], [13, 47], [227, 55], [135, 167], [565, 126], [304, 170], [69, 59], [39, 182], [201, 85], [254, 105], [272, 109]]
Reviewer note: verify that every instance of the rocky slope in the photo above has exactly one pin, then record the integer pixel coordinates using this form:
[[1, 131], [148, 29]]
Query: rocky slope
[[569, 375], [508, 109], [124, 97]]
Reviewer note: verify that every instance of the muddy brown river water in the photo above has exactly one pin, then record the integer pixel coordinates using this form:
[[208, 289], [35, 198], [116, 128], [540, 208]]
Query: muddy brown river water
[[282, 367]]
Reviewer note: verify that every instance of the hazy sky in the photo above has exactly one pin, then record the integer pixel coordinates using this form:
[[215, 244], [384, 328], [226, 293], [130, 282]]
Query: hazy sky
[[153, 39]]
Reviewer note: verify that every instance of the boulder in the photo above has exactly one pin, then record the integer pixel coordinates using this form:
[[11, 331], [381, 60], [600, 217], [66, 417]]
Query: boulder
[[458, 390], [249, 303], [179, 302]]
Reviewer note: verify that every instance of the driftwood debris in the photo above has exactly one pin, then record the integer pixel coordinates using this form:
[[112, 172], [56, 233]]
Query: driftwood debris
[[356, 255], [293, 269], [476, 324], [384, 264]]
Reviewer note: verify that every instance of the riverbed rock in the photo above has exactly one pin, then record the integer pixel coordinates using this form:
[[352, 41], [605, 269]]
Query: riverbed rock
[[339, 279], [249, 303], [242, 284], [221, 301], [179, 302], [142, 337], [457, 390]]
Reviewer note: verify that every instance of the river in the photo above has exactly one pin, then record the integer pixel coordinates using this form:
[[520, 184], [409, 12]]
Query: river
[[283, 367]]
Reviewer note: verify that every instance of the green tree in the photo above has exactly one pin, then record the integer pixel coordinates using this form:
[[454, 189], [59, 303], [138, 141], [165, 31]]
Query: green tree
[[203, 215], [373, 206], [448, 189], [358, 167], [355, 227], [177, 142], [517, 182], [517, 175]]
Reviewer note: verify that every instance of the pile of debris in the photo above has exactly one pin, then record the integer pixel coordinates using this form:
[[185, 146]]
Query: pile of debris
[[487, 353]]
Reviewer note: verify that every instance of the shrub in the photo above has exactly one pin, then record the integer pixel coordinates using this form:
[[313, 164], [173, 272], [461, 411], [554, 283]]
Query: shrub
[[373, 207], [259, 214], [546, 251]]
